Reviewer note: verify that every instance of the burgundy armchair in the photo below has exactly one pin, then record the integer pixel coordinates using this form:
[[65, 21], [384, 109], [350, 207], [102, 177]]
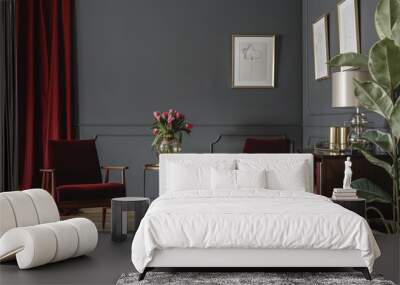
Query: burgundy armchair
[[75, 179], [278, 144]]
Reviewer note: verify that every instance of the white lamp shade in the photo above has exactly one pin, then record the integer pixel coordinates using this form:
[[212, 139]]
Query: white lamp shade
[[343, 87]]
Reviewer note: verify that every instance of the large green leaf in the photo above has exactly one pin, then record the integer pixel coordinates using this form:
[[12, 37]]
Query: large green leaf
[[386, 14], [349, 59], [373, 98], [382, 139], [396, 33], [395, 119], [372, 159], [384, 58], [370, 191]]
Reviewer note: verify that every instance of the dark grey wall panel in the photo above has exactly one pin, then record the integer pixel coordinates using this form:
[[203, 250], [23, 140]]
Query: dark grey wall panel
[[137, 56], [318, 114]]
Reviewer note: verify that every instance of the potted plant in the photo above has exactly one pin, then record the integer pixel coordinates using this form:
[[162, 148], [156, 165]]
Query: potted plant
[[168, 129], [380, 95]]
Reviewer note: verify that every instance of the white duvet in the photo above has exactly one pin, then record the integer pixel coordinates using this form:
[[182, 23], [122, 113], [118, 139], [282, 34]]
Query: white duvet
[[250, 219]]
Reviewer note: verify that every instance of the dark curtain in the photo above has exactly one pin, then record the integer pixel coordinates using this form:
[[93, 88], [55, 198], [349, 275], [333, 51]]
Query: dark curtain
[[44, 81], [8, 98]]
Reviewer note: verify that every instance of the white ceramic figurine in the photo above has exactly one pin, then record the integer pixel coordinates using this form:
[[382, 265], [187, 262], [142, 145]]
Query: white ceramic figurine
[[347, 174]]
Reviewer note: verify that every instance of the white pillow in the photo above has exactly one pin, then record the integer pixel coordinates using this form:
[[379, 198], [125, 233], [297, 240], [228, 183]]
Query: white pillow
[[292, 179], [227, 179], [251, 178], [185, 175], [283, 174], [187, 178], [223, 179]]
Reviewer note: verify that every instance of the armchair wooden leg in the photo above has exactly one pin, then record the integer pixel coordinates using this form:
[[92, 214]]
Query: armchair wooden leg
[[103, 221]]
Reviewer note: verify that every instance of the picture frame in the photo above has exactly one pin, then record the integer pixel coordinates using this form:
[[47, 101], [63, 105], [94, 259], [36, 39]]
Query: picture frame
[[348, 27], [253, 61], [321, 47]]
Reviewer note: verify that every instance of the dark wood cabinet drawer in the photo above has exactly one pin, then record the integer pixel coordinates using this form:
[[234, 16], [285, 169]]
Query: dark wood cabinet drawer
[[358, 206]]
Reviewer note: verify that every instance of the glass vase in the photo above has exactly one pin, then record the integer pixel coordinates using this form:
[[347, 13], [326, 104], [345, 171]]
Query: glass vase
[[169, 144]]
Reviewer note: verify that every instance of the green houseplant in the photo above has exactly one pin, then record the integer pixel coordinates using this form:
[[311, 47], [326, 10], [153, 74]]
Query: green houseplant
[[379, 96]]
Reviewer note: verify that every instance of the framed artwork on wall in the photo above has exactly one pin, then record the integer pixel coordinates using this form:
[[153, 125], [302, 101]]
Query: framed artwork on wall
[[348, 25], [253, 61], [321, 47]]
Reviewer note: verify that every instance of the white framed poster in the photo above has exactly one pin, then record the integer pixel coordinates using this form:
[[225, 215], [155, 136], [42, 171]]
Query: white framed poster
[[321, 47], [348, 25], [253, 61]]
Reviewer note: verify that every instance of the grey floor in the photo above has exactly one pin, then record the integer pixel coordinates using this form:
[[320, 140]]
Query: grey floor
[[111, 259], [103, 266]]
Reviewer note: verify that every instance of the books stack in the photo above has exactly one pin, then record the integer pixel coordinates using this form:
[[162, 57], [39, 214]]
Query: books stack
[[344, 194]]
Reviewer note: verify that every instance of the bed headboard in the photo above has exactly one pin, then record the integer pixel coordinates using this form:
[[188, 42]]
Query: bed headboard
[[165, 159]]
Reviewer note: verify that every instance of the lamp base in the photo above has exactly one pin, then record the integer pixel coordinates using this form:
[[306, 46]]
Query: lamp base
[[358, 124]]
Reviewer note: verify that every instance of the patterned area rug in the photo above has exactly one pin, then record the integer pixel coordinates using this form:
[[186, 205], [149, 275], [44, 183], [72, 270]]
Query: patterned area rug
[[244, 278]]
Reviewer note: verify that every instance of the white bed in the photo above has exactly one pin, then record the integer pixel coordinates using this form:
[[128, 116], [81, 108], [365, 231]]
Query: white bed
[[248, 227]]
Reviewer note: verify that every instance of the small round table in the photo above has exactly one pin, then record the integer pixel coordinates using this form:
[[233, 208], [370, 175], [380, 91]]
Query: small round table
[[119, 214]]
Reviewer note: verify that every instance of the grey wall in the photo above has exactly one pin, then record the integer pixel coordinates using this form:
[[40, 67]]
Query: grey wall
[[317, 112], [137, 56]]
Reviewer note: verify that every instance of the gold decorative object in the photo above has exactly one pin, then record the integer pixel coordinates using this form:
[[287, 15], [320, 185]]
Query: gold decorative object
[[333, 138], [344, 138]]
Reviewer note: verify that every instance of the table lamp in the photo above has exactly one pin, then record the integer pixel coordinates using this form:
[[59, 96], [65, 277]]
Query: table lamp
[[343, 97]]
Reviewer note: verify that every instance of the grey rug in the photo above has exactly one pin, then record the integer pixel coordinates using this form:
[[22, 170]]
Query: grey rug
[[233, 278]]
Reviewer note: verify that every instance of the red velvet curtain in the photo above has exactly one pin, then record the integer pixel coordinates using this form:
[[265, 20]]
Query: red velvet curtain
[[44, 81]]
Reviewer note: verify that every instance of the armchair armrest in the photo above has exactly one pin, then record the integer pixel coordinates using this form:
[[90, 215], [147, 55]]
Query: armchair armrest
[[47, 170], [115, 168], [49, 174]]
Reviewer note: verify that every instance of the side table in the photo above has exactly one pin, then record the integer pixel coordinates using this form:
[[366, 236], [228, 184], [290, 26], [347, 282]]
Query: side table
[[148, 167], [358, 205], [119, 214]]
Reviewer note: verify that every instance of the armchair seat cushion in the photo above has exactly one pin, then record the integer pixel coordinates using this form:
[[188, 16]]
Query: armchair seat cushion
[[89, 192]]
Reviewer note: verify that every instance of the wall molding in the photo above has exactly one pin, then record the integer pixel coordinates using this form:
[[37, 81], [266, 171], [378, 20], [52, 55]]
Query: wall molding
[[123, 135], [312, 140], [84, 125]]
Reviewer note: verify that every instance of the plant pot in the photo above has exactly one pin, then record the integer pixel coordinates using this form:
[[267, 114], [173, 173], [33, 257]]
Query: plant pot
[[388, 263]]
